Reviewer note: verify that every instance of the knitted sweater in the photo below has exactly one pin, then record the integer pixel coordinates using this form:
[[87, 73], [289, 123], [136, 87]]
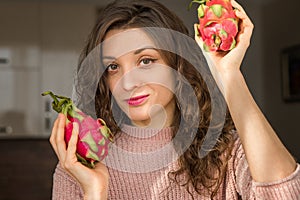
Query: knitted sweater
[[133, 176]]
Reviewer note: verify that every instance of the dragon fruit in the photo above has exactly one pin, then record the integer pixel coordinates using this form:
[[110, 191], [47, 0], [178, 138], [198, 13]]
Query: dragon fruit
[[218, 24], [94, 136]]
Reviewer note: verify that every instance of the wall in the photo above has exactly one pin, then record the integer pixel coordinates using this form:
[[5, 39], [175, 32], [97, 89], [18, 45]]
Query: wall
[[252, 66], [19, 77], [281, 30], [189, 17], [42, 41]]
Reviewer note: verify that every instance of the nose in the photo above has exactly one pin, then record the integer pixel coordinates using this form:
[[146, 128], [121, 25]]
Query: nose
[[131, 79]]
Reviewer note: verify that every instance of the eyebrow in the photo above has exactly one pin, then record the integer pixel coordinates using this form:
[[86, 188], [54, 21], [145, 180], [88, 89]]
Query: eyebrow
[[135, 52], [144, 48]]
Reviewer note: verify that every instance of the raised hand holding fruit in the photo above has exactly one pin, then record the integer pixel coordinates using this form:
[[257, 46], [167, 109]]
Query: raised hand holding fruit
[[94, 136]]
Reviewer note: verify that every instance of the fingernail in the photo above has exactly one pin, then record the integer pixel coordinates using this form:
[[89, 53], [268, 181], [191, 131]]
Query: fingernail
[[60, 115]]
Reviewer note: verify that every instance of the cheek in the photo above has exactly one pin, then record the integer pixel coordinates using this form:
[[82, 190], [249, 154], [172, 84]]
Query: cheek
[[112, 84], [116, 90], [163, 76], [164, 95]]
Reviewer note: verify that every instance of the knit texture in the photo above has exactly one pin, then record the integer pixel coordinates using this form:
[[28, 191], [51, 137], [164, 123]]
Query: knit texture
[[139, 161]]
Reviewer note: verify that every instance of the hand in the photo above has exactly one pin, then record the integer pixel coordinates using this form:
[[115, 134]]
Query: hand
[[94, 182], [223, 62]]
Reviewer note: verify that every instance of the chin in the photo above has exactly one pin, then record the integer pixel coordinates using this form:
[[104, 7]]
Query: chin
[[139, 117]]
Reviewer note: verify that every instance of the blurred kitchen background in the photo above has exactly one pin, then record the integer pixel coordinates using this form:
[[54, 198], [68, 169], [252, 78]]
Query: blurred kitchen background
[[40, 41]]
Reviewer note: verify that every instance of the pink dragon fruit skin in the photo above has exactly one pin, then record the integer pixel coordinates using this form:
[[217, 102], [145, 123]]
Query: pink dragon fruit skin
[[218, 24], [94, 136]]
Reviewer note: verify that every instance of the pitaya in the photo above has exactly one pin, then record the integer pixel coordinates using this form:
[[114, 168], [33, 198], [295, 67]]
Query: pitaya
[[218, 24], [94, 136]]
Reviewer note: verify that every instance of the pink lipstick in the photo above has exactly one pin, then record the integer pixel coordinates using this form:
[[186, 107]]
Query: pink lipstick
[[135, 101]]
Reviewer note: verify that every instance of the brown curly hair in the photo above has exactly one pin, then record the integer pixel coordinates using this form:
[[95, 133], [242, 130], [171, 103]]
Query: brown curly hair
[[205, 170]]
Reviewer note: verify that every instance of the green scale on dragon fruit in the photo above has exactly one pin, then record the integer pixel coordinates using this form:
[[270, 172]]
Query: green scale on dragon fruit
[[94, 136]]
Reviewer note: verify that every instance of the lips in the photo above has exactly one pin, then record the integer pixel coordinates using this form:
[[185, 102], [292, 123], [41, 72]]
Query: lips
[[138, 100]]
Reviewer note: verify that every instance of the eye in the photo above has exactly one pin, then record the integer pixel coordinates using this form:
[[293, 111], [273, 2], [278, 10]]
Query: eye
[[112, 67], [147, 61]]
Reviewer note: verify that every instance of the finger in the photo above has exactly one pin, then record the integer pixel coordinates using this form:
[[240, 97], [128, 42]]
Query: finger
[[237, 6], [196, 29], [197, 35], [246, 29], [53, 135], [240, 12], [72, 145], [100, 167], [245, 26], [59, 139], [244, 17], [198, 38]]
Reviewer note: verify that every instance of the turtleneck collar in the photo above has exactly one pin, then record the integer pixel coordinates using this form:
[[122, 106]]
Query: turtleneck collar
[[140, 149], [145, 133]]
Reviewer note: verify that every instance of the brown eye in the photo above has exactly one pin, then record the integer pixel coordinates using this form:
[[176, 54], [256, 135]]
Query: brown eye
[[146, 61], [112, 67]]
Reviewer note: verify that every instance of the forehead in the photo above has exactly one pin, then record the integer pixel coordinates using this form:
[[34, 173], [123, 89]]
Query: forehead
[[119, 42]]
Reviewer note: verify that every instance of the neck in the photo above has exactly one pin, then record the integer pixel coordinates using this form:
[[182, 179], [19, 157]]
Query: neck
[[159, 117]]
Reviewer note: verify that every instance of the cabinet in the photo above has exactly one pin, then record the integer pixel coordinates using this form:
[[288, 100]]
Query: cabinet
[[40, 42], [26, 171]]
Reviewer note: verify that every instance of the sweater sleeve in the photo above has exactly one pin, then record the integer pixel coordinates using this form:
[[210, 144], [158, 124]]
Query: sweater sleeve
[[65, 187], [287, 188]]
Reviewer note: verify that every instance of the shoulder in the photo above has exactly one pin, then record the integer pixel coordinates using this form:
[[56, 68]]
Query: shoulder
[[238, 169], [238, 162]]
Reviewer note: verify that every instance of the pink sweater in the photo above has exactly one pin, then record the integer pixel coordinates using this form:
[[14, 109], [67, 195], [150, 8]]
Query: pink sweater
[[133, 176]]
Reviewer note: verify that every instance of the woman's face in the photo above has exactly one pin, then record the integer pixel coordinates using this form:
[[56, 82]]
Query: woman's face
[[139, 79]]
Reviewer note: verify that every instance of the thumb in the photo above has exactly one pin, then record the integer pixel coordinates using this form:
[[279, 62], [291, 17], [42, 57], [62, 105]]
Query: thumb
[[200, 43], [197, 36]]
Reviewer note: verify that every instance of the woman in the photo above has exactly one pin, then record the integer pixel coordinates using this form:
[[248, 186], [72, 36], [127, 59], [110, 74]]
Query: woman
[[144, 96]]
